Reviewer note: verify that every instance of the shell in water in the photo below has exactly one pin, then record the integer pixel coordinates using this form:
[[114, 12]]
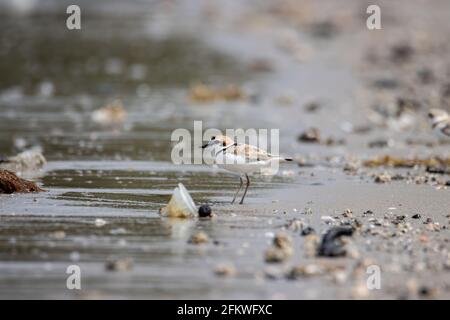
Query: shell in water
[[180, 205]]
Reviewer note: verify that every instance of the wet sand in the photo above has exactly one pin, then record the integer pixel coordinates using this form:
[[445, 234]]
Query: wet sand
[[124, 175]]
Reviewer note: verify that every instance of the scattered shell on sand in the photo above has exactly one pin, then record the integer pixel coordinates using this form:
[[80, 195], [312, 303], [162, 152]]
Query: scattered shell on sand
[[225, 270], [311, 135], [120, 265], [281, 250], [199, 238], [111, 114], [331, 244], [305, 271], [382, 178], [204, 93]]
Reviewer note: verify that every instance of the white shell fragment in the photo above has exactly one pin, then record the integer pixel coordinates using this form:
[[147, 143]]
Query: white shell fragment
[[180, 205]]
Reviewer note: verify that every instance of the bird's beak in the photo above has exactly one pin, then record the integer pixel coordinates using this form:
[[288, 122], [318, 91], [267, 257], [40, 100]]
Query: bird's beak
[[206, 145]]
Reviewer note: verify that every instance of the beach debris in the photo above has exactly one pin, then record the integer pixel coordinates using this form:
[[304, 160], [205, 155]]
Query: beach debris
[[382, 177], [331, 244], [307, 231], [225, 270], [381, 143], [390, 161], [11, 183], [360, 291], [57, 235], [111, 114], [307, 270], [312, 106], [327, 219], [180, 204], [119, 265], [199, 238], [261, 65], [416, 216], [203, 93], [27, 160], [281, 249], [311, 135], [347, 213], [401, 52], [99, 222], [204, 211]]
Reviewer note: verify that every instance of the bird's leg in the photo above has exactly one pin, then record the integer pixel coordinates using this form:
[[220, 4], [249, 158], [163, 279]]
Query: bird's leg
[[246, 188], [239, 189]]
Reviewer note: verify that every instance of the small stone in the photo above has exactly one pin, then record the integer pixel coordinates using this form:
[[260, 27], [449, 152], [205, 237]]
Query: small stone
[[304, 271], [274, 254], [199, 238], [119, 265], [58, 235], [360, 291], [382, 178], [311, 135], [347, 213], [99, 222], [204, 211], [416, 216], [331, 246], [225, 270], [281, 250], [282, 241], [426, 292], [307, 231]]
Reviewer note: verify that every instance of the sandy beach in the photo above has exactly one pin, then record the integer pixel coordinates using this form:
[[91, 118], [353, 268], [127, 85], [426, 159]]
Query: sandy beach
[[351, 108]]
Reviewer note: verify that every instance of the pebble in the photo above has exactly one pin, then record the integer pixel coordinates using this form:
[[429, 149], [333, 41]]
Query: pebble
[[225, 270], [120, 265], [307, 231], [199, 238], [99, 222], [416, 216], [331, 246], [204, 211], [311, 135], [281, 249], [382, 178]]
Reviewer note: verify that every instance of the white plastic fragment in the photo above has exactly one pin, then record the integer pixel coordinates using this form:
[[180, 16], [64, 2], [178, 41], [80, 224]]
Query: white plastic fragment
[[180, 205]]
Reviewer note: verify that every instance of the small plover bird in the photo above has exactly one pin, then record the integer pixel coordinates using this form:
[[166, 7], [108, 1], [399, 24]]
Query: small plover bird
[[440, 122], [242, 159]]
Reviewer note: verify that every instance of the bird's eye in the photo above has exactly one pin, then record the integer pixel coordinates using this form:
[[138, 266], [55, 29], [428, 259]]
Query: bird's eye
[[430, 115], [224, 144], [213, 138]]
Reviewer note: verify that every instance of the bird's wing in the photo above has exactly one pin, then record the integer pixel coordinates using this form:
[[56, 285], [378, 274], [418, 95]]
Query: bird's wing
[[251, 153]]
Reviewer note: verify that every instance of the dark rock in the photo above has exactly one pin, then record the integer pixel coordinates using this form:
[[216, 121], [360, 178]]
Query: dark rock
[[311, 135], [11, 183], [331, 246], [324, 29], [307, 231], [401, 53], [386, 83], [204, 211], [425, 75], [119, 265], [416, 216]]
